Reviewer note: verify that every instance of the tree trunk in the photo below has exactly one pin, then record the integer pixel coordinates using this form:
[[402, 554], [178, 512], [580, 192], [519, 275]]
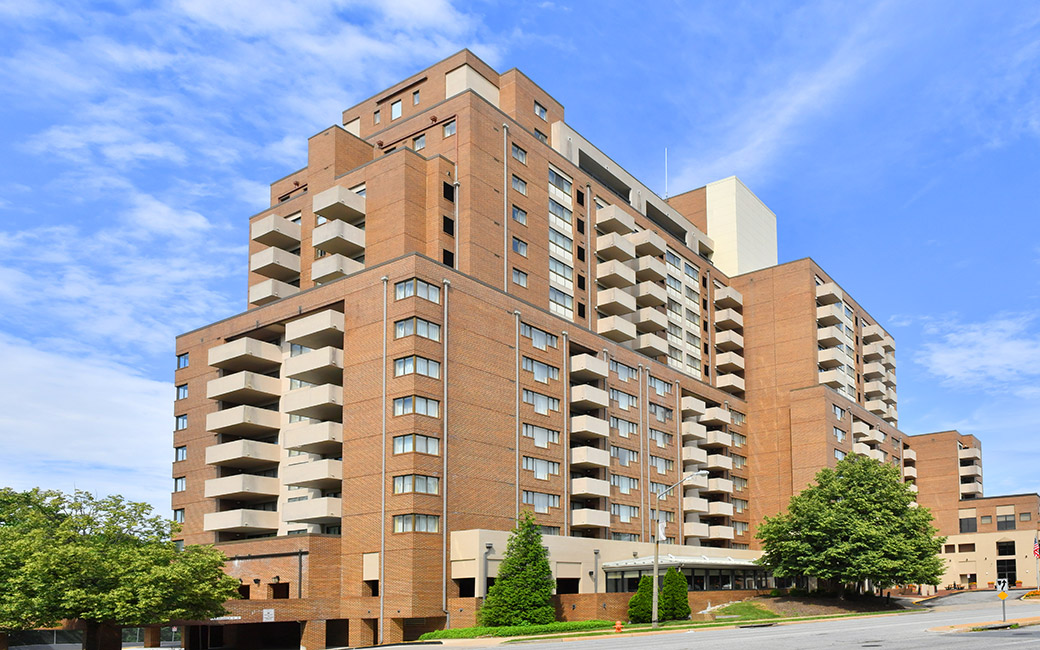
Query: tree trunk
[[100, 635]]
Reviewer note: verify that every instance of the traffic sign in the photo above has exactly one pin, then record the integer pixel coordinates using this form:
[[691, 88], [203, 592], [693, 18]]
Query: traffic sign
[[1002, 595], [1002, 584]]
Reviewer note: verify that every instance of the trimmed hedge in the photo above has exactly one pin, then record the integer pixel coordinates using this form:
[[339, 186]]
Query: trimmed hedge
[[515, 630]]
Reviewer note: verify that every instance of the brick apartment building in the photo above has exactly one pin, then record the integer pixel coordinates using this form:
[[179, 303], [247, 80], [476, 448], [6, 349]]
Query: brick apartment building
[[461, 309]]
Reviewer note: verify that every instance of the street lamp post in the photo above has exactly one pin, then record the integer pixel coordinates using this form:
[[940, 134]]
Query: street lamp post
[[660, 533]]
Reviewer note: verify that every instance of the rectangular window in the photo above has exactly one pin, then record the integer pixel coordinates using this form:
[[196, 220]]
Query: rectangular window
[[965, 548], [1005, 549], [624, 537], [541, 436], [419, 143], [970, 525], [180, 453], [178, 484], [178, 515], [1004, 522], [416, 483], [739, 505], [623, 427], [542, 403], [559, 216], [541, 468], [376, 118], [560, 182], [415, 98], [180, 423], [519, 215], [561, 274], [542, 372], [519, 246], [740, 527], [667, 515], [449, 226], [416, 523], [1025, 516], [839, 434], [623, 372], [662, 413], [449, 129], [660, 386], [624, 400], [519, 277], [839, 454], [549, 530], [413, 442], [739, 439], [539, 339], [739, 484], [561, 303], [624, 456], [624, 484], [672, 259], [182, 360], [416, 326], [623, 512], [417, 287], [416, 404], [395, 110], [560, 244], [986, 519], [691, 271], [520, 185], [182, 391], [519, 154], [541, 501], [737, 417], [417, 365], [738, 461], [541, 112], [672, 282], [544, 139], [839, 412], [662, 465]]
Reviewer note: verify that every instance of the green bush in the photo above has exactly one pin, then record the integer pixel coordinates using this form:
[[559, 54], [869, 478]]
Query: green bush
[[515, 630], [775, 593], [675, 604], [522, 593], [641, 605]]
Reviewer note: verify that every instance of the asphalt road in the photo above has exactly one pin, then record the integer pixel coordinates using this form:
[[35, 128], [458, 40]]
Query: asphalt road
[[909, 631]]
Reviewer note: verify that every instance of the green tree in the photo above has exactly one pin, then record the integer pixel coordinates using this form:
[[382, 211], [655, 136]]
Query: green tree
[[856, 523], [522, 593], [641, 604], [106, 561], [674, 603]]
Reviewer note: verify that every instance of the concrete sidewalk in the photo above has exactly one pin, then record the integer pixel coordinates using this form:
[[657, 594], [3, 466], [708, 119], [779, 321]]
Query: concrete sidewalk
[[967, 627]]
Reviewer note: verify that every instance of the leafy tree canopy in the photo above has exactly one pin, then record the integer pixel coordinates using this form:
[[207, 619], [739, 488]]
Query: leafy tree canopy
[[522, 593], [106, 561], [855, 524]]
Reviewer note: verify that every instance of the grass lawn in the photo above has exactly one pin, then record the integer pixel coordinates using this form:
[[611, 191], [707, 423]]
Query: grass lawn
[[744, 611]]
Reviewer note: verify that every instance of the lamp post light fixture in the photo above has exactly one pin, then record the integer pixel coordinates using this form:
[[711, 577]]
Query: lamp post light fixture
[[660, 533]]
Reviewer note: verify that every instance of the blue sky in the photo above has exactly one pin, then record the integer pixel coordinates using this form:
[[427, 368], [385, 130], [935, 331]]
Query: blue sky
[[898, 144]]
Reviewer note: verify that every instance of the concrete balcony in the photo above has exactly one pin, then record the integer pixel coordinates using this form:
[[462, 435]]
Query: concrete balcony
[[616, 328], [830, 358], [828, 293], [614, 273], [323, 510], [273, 230], [872, 334], [728, 298], [873, 352], [613, 246], [705, 245], [585, 367], [874, 389], [244, 388], [589, 457], [973, 488], [877, 455], [892, 417], [615, 301], [317, 474], [245, 354], [335, 266], [321, 366], [728, 319], [590, 487], [873, 371], [692, 406], [695, 504], [649, 319], [890, 398], [650, 294], [834, 378], [829, 337], [694, 529], [730, 383], [339, 203], [587, 426], [693, 431], [720, 532], [871, 437], [860, 428], [339, 237], [970, 453], [589, 398], [275, 263], [889, 361], [728, 340], [860, 448], [324, 328], [877, 407], [242, 487], [268, 291], [314, 437], [718, 439], [590, 518], [716, 416], [888, 344], [719, 462], [243, 421], [692, 454], [830, 314], [242, 520], [244, 454], [647, 243], [729, 362], [913, 488], [719, 485], [909, 455], [651, 345], [324, 402], [695, 481], [970, 470], [720, 509], [911, 472], [889, 379], [649, 269], [613, 219]]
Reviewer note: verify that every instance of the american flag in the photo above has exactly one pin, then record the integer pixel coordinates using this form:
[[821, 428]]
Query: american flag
[[1036, 547]]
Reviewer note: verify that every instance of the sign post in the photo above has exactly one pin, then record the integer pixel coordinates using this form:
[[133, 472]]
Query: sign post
[[1002, 587]]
